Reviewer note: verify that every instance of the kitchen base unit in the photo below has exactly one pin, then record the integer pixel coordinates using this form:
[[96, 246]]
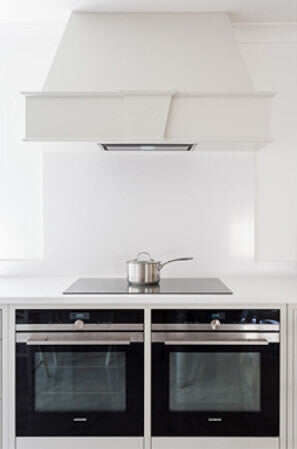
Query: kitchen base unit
[[79, 443], [214, 443], [177, 374]]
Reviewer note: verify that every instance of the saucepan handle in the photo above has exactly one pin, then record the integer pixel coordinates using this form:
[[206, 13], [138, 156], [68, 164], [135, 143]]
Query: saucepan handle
[[180, 259]]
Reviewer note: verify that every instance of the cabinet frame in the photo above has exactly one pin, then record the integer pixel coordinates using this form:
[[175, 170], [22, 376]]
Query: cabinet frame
[[292, 377]]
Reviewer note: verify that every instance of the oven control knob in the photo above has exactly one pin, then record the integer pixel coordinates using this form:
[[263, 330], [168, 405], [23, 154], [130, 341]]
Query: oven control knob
[[215, 324], [79, 324]]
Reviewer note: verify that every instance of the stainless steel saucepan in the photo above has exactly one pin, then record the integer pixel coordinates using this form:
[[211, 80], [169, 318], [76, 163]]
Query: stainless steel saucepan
[[147, 272]]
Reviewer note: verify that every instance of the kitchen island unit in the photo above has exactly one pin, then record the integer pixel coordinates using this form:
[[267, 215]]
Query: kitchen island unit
[[248, 293]]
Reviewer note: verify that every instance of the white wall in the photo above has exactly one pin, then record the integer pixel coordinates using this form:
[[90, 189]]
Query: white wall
[[99, 209], [25, 55], [272, 60]]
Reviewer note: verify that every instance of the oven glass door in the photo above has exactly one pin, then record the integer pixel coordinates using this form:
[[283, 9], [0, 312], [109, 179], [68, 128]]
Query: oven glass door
[[215, 390], [86, 390]]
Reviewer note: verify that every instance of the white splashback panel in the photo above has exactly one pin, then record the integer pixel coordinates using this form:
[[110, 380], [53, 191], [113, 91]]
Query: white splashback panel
[[111, 205]]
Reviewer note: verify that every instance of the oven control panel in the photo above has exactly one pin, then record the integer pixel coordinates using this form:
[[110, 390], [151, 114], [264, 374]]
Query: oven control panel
[[215, 317], [62, 316]]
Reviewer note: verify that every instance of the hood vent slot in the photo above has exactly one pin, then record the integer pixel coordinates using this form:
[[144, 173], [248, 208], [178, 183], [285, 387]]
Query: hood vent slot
[[146, 147]]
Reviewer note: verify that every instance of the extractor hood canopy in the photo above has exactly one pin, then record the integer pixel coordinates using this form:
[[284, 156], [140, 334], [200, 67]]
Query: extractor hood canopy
[[150, 78]]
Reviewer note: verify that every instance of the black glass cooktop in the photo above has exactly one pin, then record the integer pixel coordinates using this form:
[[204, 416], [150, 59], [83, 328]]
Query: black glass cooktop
[[182, 286]]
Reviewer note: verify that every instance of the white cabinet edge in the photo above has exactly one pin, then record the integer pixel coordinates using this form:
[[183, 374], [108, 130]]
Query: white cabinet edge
[[292, 377]]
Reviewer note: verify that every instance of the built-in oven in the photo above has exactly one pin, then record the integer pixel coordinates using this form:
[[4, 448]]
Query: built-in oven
[[215, 373], [79, 373]]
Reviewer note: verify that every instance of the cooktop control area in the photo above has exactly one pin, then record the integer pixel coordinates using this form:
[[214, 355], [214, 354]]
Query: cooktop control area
[[183, 286]]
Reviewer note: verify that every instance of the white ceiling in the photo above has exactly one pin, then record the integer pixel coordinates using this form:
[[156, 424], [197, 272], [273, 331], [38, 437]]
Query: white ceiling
[[40, 11]]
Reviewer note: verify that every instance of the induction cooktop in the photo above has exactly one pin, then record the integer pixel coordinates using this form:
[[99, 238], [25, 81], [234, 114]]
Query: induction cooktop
[[170, 286]]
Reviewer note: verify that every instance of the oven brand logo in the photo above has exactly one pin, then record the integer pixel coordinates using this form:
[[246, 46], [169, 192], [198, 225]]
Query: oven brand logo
[[80, 419], [214, 419]]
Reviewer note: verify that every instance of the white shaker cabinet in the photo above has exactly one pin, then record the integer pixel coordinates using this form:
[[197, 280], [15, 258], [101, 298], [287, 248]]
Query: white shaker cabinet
[[1, 379], [292, 377]]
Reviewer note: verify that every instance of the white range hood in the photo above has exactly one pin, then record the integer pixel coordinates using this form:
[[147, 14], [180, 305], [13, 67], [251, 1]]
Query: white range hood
[[148, 79]]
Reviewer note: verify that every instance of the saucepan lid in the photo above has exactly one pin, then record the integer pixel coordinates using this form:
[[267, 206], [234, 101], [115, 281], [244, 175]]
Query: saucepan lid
[[148, 260]]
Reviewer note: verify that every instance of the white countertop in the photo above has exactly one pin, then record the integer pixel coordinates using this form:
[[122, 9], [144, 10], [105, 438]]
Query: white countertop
[[49, 291]]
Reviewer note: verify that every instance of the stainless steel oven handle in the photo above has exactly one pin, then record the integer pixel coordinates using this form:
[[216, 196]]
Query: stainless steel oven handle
[[79, 338], [49, 341], [261, 342], [215, 338]]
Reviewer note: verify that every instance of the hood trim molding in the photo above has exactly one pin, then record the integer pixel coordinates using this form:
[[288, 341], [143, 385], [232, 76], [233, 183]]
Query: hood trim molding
[[219, 119], [146, 93]]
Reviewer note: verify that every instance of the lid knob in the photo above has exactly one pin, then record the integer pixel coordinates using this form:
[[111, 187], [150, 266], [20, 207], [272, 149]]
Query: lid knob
[[79, 324], [215, 324], [145, 253]]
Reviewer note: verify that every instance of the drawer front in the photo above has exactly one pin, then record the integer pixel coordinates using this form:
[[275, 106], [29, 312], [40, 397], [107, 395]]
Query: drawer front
[[79, 443], [215, 443]]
